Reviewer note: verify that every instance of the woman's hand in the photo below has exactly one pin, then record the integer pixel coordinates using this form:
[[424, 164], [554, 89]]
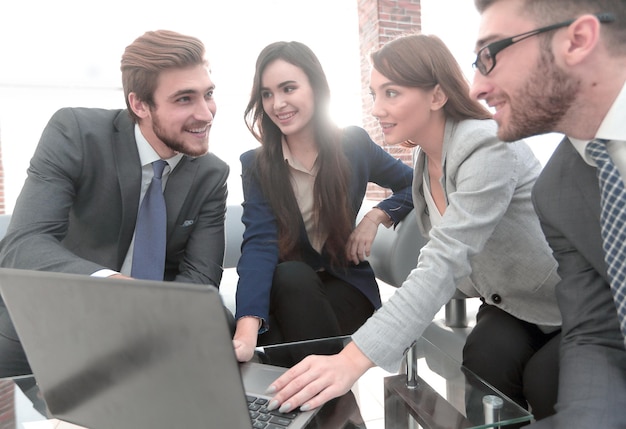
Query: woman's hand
[[360, 241], [245, 338], [318, 379]]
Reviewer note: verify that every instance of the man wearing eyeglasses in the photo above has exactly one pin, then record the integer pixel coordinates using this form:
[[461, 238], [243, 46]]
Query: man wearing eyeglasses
[[560, 66]]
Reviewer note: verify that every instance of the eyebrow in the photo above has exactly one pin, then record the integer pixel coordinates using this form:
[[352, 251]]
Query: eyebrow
[[280, 85], [189, 92], [481, 43], [387, 84]]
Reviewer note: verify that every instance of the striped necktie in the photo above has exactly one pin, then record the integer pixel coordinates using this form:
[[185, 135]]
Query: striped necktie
[[150, 231], [613, 223]]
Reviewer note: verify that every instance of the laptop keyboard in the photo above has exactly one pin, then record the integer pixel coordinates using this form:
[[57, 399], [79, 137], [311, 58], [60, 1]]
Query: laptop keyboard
[[264, 419]]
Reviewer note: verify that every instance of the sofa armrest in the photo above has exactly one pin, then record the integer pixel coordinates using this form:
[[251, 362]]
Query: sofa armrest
[[394, 255]]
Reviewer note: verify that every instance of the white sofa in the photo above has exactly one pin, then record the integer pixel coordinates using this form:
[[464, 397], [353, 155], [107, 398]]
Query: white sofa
[[394, 255]]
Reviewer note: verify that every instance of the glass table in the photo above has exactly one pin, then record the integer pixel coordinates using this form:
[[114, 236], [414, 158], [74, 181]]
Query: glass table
[[436, 391], [432, 391]]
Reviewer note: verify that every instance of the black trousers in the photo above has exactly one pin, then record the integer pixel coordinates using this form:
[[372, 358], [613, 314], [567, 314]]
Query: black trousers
[[515, 357], [305, 304]]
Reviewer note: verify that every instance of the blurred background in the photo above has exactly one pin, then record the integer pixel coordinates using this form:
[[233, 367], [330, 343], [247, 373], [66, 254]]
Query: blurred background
[[67, 53]]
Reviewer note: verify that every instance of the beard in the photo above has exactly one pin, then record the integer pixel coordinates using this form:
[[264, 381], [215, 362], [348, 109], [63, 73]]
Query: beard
[[542, 103], [176, 143]]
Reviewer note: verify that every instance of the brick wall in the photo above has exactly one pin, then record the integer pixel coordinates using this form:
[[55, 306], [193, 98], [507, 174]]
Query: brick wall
[[379, 22], [7, 408]]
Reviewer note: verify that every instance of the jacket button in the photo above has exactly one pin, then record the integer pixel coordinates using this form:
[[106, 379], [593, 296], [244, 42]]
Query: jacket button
[[497, 299]]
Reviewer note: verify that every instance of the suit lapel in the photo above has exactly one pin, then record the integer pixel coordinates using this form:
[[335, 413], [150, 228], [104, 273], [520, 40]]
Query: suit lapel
[[419, 202], [179, 183], [129, 178], [583, 199], [586, 182]]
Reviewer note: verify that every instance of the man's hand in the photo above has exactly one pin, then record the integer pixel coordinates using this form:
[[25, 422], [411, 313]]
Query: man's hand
[[119, 276]]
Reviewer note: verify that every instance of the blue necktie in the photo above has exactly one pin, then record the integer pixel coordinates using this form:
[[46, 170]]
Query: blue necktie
[[151, 229], [613, 223]]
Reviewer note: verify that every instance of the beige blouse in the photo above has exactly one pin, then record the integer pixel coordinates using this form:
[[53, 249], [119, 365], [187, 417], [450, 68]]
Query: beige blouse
[[303, 182]]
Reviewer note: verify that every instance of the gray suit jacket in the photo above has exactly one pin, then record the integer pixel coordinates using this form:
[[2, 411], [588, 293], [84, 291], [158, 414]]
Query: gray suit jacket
[[77, 210], [592, 375], [489, 243]]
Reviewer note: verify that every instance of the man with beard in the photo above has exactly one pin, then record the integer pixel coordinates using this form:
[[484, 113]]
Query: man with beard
[[79, 207], [560, 65]]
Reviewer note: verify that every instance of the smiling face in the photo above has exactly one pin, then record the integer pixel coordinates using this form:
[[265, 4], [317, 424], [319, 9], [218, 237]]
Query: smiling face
[[288, 98], [404, 113], [530, 94], [183, 112]]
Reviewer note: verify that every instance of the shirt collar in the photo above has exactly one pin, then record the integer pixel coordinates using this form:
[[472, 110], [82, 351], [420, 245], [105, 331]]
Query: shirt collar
[[147, 155], [611, 128], [293, 162]]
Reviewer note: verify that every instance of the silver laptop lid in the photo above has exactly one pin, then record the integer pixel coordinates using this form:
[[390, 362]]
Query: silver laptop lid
[[110, 353]]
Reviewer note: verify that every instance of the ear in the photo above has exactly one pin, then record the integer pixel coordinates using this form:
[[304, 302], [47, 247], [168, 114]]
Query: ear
[[582, 37], [439, 98], [139, 107]]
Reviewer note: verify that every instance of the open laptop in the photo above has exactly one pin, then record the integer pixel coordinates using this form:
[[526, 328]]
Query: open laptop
[[109, 353]]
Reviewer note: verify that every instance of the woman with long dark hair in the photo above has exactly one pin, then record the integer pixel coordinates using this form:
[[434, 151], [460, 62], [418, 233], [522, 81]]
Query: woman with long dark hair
[[303, 272]]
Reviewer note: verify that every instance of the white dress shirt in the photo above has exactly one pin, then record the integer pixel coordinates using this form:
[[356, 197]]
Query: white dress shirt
[[612, 128], [147, 155]]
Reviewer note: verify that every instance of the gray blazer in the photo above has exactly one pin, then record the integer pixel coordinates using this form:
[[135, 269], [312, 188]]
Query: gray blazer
[[489, 243], [77, 210], [592, 369]]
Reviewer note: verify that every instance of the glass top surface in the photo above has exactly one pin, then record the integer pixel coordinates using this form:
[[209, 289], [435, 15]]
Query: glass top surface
[[442, 394], [446, 394]]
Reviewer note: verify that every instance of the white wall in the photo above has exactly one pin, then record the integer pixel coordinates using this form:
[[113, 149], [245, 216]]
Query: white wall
[[67, 52]]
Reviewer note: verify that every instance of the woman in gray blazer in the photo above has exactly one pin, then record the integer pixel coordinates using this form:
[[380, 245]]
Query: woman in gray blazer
[[471, 194]]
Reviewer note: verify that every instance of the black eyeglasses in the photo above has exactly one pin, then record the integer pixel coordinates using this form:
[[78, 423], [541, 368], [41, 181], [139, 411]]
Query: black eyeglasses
[[486, 57]]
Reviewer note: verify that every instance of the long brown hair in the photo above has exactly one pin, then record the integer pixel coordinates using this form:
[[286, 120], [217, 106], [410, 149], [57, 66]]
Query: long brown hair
[[424, 61], [331, 201], [149, 55]]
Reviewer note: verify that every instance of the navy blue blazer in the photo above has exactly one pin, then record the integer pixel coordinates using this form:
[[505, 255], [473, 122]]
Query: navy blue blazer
[[259, 250]]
